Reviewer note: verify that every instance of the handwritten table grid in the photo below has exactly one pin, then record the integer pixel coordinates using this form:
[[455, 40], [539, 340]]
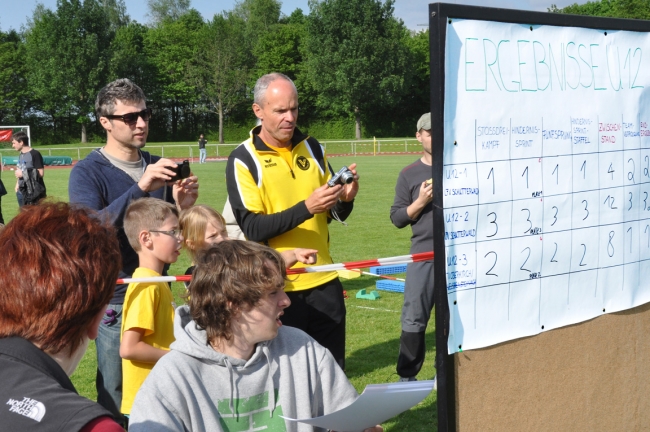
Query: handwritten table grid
[[546, 177], [637, 188]]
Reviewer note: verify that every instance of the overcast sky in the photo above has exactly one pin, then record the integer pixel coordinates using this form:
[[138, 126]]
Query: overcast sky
[[14, 13]]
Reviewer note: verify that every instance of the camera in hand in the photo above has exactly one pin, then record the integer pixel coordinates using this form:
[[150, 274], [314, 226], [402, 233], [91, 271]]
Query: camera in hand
[[182, 171], [343, 177]]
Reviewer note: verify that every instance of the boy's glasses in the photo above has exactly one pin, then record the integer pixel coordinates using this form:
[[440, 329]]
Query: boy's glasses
[[171, 233], [131, 118]]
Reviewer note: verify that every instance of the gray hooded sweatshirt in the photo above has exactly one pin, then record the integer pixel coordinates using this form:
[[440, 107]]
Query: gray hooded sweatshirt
[[195, 388]]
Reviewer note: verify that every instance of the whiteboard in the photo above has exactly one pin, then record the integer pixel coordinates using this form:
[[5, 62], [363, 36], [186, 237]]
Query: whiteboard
[[546, 177]]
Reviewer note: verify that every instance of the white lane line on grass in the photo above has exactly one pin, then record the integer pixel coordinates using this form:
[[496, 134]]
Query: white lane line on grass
[[377, 309]]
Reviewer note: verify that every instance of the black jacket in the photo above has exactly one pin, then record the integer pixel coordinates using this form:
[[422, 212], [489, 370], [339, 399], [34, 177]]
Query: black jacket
[[36, 394], [32, 187]]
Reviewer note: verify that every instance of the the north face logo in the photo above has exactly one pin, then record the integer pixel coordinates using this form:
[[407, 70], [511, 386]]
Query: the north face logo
[[303, 163], [27, 407]]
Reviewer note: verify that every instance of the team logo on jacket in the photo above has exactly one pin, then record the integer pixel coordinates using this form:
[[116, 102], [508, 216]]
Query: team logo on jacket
[[303, 163], [27, 407], [251, 412]]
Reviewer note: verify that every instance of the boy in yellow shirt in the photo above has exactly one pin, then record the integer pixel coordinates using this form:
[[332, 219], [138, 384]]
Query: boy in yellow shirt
[[151, 226]]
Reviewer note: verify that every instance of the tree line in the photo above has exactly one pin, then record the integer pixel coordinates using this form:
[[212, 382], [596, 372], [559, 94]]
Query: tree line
[[359, 71], [634, 9]]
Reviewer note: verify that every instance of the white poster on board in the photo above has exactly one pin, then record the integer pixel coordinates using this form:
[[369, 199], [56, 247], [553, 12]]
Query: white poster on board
[[546, 177]]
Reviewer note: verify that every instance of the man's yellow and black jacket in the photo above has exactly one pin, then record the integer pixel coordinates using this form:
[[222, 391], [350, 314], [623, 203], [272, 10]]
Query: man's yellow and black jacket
[[268, 199]]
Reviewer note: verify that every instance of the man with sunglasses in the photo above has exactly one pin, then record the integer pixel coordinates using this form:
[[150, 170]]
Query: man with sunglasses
[[107, 180]]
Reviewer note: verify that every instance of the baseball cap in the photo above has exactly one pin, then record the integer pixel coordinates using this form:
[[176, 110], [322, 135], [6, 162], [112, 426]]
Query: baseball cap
[[425, 122]]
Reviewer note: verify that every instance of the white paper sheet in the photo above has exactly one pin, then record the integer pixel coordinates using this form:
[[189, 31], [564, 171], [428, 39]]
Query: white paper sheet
[[546, 177], [377, 403]]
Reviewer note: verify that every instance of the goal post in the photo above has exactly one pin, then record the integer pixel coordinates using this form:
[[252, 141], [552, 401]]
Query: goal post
[[6, 134]]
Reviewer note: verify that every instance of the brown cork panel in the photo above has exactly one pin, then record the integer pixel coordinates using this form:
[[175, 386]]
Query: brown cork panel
[[592, 376]]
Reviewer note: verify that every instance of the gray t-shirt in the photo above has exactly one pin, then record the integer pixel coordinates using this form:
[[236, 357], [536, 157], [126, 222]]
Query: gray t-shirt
[[407, 190], [30, 160], [135, 170]]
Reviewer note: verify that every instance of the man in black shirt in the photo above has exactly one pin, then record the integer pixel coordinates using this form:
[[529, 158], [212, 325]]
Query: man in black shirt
[[30, 187], [412, 206]]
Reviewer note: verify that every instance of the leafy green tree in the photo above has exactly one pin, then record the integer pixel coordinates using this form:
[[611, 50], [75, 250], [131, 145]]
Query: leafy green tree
[[170, 47], [37, 15], [115, 10], [128, 57], [220, 68], [417, 99], [259, 15], [637, 9], [283, 50], [14, 95], [67, 52], [279, 50], [357, 56], [160, 10]]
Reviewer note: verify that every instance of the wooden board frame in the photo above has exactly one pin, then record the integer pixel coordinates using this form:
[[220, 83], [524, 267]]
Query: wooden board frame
[[452, 401]]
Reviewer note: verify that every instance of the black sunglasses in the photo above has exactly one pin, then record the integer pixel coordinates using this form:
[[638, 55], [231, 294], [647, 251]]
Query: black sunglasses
[[132, 118]]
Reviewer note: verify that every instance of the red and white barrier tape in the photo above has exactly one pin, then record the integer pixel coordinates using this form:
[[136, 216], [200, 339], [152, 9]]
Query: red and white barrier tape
[[378, 275], [402, 259]]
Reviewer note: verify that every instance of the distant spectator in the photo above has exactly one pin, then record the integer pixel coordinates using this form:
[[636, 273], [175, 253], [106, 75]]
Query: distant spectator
[[202, 151], [48, 314], [30, 187]]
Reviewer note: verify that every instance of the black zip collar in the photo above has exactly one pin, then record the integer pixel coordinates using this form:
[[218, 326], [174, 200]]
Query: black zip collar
[[260, 146], [26, 352]]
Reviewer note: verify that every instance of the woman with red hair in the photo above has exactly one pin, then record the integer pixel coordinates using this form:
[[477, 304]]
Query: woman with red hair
[[60, 265]]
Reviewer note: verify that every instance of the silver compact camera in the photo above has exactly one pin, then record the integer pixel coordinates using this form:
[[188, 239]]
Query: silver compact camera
[[343, 177]]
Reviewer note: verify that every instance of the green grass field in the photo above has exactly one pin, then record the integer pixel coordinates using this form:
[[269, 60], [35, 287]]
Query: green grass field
[[373, 327]]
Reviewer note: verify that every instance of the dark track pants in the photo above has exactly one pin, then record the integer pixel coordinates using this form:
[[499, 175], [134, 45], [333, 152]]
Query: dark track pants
[[320, 312], [418, 303]]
